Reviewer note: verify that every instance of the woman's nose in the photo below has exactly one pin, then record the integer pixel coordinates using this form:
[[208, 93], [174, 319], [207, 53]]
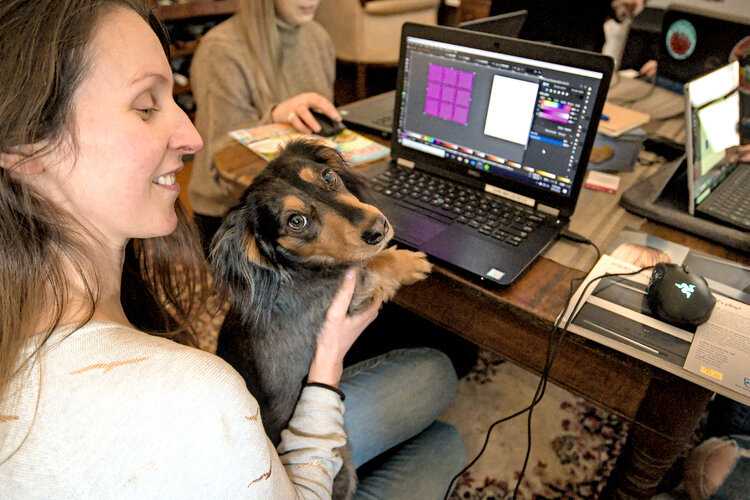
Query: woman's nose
[[185, 137]]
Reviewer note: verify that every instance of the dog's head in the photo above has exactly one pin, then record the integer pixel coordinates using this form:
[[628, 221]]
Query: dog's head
[[305, 209]]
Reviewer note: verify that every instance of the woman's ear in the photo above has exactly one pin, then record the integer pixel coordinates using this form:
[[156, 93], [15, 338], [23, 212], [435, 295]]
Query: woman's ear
[[22, 160]]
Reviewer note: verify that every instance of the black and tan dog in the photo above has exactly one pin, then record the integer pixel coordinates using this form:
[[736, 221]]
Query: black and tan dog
[[281, 255]]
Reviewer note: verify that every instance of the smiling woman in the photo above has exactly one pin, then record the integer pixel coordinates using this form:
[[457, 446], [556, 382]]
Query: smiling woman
[[91, 234]]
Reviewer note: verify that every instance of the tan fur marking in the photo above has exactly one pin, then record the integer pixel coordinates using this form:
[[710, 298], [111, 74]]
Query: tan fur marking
[[392, 268], [105, 367], [292, 204], [370, 211], [8, 418], [308, 175], [252, 252], [263, 476], [337, 240]]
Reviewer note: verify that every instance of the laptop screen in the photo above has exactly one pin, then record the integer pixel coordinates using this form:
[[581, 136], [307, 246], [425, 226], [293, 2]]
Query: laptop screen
[[714, 107], [694, 42], [510, 117]]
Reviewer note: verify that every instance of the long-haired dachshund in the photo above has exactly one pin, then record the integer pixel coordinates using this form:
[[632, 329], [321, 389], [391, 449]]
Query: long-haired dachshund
[[281, 256]]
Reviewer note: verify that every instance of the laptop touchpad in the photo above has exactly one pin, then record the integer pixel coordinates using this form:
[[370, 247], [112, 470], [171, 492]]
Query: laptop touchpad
[[412, 228]]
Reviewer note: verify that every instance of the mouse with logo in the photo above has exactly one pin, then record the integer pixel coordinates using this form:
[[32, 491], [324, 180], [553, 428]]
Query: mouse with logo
[[678, 296]]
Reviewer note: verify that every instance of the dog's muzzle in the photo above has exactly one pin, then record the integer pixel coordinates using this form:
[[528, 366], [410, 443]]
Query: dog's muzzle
[[376, 232]]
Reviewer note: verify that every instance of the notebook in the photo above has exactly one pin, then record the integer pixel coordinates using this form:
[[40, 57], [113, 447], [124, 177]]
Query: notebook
[[375, 114], [489, 147], [717, 187]]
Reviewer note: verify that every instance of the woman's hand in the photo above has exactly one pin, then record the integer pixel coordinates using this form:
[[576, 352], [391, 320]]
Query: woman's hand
[[296, 112], [339, 333], [738, 154]]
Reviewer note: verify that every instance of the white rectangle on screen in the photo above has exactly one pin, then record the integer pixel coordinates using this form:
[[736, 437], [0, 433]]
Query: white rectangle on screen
[[511, 109]]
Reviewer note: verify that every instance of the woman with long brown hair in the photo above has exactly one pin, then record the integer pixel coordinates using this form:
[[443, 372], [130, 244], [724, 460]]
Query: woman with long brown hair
[[98, 264]]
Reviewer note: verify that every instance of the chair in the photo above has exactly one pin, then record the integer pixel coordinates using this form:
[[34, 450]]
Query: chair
[[371, 33]]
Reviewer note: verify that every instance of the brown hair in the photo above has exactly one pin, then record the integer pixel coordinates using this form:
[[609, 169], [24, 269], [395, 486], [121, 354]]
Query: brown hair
[[43, 59], [258, 19]]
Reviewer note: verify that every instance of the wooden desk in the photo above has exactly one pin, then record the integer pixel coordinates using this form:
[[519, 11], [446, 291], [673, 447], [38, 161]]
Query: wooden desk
[[515, 323]]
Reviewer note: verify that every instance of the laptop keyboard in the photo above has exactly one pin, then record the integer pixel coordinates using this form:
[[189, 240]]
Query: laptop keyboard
[[504, 220], [730, 202]]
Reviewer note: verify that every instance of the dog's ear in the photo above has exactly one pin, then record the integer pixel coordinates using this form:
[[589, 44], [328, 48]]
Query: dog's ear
[[243, 271], [353, 182]]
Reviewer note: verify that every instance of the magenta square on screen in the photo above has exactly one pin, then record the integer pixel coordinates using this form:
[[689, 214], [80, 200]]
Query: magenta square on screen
[[465, 79], [431, 107], [446, 110], [461, 115], [433, 90], [435, 73], [449, 94], [450, 76], [463, 98]]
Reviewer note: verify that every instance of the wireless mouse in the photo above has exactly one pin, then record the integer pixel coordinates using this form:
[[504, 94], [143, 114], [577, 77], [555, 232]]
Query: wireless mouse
[[679, 296], [328, 126]]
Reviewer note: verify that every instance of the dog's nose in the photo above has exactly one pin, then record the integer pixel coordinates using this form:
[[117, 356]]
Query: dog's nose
[[377, 231]]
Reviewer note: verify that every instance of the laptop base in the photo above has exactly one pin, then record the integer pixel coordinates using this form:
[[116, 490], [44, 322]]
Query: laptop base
[[663, 196], [496, 251]]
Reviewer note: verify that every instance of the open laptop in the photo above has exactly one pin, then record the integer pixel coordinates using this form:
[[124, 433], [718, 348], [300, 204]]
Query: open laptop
[[375, 114], [716, 187], [490, 146], [694, 42]]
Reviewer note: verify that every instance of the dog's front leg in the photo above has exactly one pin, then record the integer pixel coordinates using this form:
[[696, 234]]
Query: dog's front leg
[[391, 269]]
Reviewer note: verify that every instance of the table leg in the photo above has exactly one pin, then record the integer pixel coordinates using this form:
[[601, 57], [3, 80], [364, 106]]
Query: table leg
[[672, 407]]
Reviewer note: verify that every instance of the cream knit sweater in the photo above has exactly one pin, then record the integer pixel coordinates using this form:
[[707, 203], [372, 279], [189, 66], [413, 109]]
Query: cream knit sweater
[[223, 81], [123, 414]]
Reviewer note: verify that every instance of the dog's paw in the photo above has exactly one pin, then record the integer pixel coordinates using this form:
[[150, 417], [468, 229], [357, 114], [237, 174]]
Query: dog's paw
[[411, 266]]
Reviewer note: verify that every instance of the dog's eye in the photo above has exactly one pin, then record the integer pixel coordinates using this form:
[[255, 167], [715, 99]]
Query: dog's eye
[[296, 221], [329, 177]]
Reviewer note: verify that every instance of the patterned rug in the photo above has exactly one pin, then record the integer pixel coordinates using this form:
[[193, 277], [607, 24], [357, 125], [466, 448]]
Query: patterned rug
[[574, 445]]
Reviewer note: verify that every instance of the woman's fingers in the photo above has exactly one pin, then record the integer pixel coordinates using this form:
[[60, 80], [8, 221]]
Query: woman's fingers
[[308, 119], [342, 299], [298, 124], [320, 103]]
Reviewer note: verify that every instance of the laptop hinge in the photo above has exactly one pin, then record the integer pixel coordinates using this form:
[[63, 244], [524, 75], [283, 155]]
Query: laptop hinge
[[510, 195], [548, 210], [405, 163]]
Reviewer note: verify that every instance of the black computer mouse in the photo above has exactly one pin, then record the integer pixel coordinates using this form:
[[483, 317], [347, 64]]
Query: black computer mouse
[[679, 296], [328, 126]]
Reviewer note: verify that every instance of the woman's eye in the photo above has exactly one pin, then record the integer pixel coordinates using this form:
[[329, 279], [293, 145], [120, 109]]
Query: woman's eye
[[146, 113], [329, 177], [297, 221]]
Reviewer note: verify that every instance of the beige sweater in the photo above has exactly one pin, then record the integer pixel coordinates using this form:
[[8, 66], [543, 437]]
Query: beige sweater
[[224, 86], [123, 414]]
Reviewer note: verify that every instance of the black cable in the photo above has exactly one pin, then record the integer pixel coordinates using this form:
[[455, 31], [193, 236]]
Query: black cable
[[570, 235], [550, 356], [564, 329]]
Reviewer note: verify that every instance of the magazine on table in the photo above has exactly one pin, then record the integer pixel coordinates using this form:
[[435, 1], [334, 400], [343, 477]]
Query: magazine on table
[[267, 141], [614, 312]]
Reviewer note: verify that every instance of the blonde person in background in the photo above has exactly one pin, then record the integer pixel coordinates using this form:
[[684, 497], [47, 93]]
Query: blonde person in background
[[269, 63], [95, 402]]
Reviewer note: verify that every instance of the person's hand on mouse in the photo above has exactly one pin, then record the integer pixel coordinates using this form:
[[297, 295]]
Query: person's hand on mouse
[[296, 112], [738, 154]]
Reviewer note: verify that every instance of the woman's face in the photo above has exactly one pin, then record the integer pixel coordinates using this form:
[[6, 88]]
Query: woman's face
[[131, 137], [296, 12]]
